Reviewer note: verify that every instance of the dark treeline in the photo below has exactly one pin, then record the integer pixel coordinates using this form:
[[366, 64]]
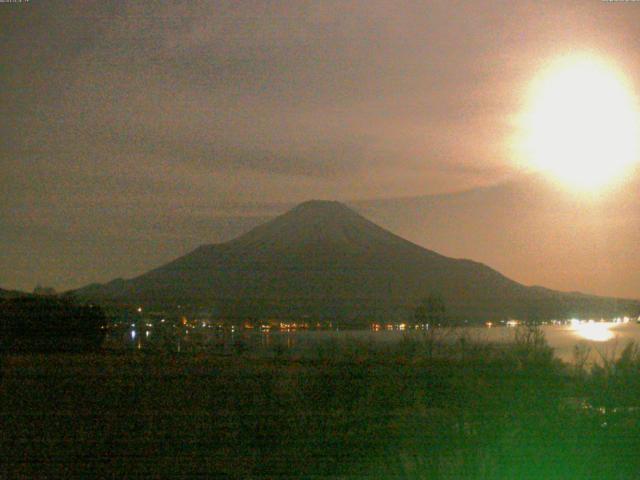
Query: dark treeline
[[49, 324]]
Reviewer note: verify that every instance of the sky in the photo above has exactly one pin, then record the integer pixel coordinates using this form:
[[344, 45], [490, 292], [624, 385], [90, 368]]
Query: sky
[[133, 132]]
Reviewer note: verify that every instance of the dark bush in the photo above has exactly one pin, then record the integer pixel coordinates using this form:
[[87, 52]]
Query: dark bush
[[45, 324]]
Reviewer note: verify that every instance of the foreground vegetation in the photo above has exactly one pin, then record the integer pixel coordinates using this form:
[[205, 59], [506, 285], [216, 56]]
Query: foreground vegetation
[[420, 408]]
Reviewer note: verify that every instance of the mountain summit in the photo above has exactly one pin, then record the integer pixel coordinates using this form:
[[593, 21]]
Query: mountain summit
[[323, 260]]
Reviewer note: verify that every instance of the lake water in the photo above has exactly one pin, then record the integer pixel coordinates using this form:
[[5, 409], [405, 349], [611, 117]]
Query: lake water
[[604, 339]]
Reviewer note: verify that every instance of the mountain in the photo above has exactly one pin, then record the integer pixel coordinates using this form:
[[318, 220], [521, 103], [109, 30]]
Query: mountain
[[529, 229], [322, 259]]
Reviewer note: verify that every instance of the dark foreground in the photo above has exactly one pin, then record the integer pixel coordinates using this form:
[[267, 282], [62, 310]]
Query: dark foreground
[[414, 410]]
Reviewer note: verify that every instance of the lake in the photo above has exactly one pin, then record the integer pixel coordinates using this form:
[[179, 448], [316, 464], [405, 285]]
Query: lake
[[603, 339]]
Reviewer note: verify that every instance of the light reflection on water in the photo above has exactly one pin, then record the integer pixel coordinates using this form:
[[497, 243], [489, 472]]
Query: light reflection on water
[[593, 331], [605, 339]]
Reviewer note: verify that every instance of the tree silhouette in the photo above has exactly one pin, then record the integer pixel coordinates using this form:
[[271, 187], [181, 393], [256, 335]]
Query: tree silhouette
[[50, 323], [431, 310]]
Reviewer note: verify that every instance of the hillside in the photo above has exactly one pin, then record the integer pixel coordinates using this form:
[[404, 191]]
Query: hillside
[[322, 259]]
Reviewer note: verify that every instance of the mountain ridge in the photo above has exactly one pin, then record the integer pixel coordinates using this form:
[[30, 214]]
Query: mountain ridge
[[322, 259]]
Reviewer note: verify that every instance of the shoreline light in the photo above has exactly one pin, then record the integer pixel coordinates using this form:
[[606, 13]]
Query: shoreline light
[[593, 331]]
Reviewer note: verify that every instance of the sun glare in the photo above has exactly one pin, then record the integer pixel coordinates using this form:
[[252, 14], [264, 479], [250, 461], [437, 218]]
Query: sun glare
[[581, 124]]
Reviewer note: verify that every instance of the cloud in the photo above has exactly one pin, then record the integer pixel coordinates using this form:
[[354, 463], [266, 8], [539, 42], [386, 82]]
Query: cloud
[[203, 109]]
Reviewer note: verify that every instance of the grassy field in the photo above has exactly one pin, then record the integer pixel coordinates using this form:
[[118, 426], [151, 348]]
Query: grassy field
[[410, 410]]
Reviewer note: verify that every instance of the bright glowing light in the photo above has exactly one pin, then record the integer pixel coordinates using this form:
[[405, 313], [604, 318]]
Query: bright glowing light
[[582, 123], [596, 332]]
